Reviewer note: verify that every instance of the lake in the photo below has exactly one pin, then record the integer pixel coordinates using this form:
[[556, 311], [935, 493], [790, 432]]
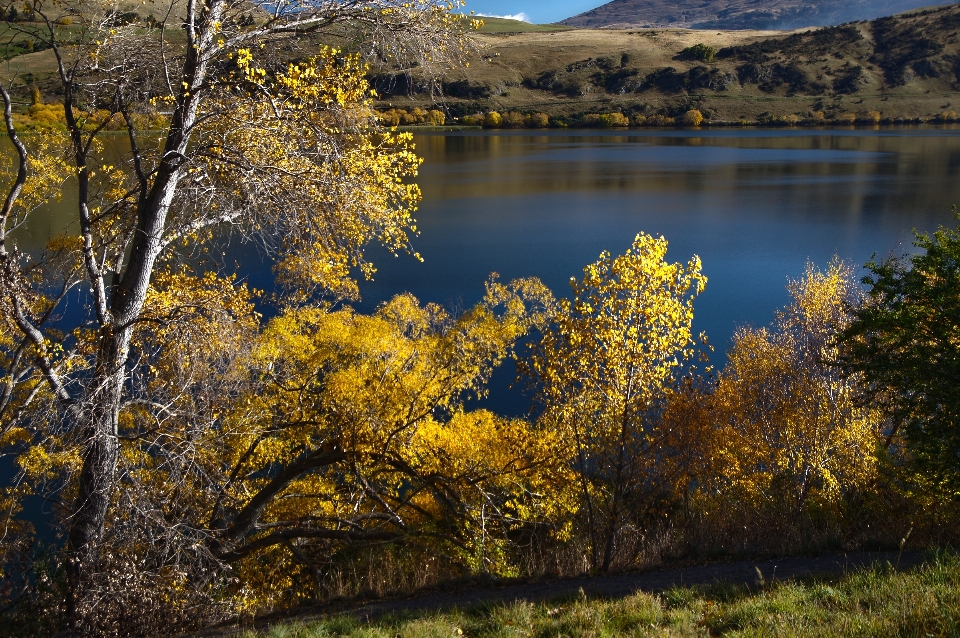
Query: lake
[[754, 204]]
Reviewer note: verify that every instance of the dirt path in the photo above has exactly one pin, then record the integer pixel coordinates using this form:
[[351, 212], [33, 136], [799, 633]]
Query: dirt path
[[739, 573]]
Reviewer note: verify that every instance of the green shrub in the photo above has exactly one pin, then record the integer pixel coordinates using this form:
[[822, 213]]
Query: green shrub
[[903, 340], [700, 52]]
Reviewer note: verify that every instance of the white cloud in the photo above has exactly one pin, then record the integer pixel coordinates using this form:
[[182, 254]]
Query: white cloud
[[522, 17]]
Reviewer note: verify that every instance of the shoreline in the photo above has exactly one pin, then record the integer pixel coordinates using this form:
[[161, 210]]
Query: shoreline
[[913, 125]]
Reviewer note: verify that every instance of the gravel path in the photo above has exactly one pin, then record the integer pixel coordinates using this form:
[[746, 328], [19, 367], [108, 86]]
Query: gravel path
[[738, 573]]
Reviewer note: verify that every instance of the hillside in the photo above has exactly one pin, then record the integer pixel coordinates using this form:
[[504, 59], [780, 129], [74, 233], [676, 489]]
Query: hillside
[[902, 67], [896, 68], [738, 14]]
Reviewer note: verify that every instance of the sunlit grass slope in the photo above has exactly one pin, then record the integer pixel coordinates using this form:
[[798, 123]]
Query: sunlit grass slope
[[503, 25], [899, 69], [876, 602]]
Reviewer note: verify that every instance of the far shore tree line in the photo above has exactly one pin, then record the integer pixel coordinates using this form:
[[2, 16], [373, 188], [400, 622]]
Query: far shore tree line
[[178, 449], [44, 115], [684, 118]]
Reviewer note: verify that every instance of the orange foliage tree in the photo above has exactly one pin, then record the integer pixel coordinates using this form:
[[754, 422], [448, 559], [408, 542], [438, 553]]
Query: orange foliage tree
[[786, 431]]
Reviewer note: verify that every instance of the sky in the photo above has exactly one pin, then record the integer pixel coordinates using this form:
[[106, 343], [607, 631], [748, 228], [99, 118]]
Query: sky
[[536, 11]]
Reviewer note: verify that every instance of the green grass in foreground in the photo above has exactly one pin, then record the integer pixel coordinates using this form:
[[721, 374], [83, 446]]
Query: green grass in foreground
[[878, 602]]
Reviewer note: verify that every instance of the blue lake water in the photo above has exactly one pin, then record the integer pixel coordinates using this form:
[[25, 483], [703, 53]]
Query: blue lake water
[[754, 204]]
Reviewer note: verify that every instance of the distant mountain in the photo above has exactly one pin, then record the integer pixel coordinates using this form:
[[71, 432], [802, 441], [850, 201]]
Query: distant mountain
[[739, 14]]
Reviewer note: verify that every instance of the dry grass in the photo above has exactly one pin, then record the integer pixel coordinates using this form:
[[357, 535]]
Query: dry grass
[[504, 25], [510, 60], [37, 63]]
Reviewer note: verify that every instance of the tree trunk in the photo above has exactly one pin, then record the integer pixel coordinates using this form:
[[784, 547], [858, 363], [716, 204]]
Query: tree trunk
[[99, 432], [618, 488], [101, 405]]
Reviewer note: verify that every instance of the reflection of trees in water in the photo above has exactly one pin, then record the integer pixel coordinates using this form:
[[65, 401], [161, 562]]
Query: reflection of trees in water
[[910, 171]]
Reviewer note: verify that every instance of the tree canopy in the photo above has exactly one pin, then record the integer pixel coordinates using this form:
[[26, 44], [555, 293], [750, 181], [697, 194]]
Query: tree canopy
[[790, 427], [199, 458], [905, 340]]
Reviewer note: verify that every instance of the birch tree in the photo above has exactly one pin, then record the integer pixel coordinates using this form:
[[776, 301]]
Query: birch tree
[[287, 155]]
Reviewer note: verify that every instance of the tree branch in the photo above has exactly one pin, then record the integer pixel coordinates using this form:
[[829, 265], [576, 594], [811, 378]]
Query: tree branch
[[286, 535], [247, 518]]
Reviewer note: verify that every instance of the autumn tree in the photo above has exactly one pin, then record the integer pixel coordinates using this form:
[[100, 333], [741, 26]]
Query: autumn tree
[[788, 429], [602, 370], [323, 431], [905, 341], [287, 155]]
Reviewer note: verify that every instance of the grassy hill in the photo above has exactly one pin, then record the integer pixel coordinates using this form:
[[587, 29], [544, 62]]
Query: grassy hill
[[901, 67], [505, 25]]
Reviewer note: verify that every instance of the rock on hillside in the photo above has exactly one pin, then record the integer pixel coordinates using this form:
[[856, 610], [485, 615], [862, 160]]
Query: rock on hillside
[[738, 14]]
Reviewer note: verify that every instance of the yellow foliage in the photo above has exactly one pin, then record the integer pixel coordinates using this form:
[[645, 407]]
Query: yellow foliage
[[789, 425], [194, 319], [419, 115], [390, 118], [492, 120], [538, 120], [382, 395], [693, 117], [611, 356], [35, 463], [624, 334], [513, 119], [660, 120], [162, 385], [326, 164], [43, 116], [47, 170]]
